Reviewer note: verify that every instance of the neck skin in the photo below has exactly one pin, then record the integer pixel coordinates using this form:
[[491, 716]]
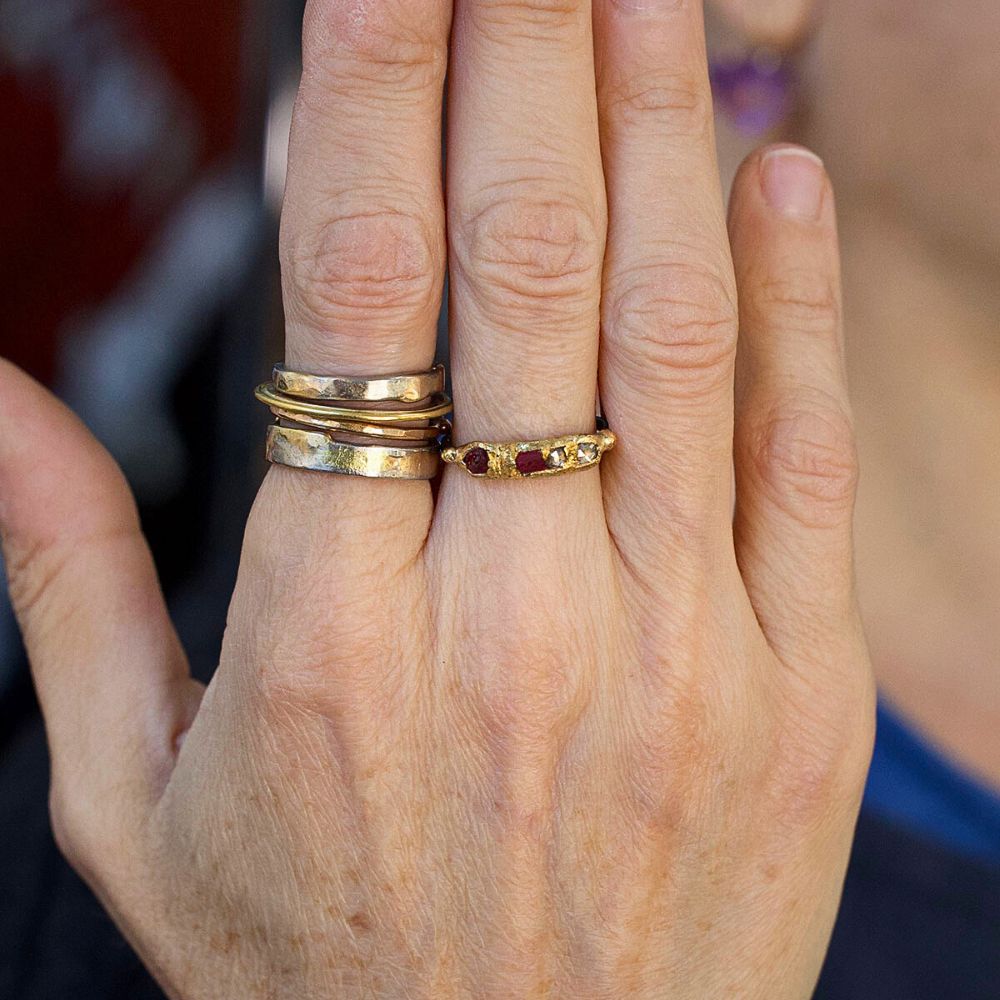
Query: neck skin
[[923, 333]]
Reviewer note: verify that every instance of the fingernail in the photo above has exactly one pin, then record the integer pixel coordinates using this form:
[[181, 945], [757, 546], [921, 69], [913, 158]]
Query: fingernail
[[645, 6], [792, 179]]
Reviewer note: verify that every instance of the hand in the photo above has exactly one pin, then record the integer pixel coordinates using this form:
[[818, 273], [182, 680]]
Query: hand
[[584, 736]]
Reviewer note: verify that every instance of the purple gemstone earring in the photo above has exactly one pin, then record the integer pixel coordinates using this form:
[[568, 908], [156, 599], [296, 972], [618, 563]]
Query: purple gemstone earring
[[753, 91]]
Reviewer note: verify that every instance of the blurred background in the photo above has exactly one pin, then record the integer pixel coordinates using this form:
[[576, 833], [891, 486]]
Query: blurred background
[[139, 277]]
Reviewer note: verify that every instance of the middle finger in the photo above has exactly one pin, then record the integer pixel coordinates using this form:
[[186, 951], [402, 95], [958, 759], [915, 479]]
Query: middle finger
[[526, 217]]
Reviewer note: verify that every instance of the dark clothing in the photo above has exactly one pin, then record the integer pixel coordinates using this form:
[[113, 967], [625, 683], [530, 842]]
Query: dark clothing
[[917, 922]]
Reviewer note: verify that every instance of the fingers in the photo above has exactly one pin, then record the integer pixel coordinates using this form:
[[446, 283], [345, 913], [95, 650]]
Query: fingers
[[362, 228], [110, 674], [526, 218], [669, 304], [795, 460]]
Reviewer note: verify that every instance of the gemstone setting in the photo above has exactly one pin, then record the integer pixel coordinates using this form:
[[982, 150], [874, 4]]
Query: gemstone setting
[[477, 461], [557, 458], [531, 461], [586, 452]]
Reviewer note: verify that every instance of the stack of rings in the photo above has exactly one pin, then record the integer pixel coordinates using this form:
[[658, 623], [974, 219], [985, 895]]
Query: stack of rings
[[384, 427], [396, 427]]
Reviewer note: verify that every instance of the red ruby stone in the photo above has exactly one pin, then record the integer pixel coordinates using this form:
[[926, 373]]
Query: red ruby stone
[[530, 461], [477, 461]]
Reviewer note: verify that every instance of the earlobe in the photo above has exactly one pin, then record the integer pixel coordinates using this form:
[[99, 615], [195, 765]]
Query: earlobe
[[780, 24]]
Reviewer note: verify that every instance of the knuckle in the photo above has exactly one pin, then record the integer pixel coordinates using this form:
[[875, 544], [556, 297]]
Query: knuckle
[[72, 829], [345, 664], [817, 766], [62, 829], [344, 47], [379, 263], [528, 690], [804, 300], [526, 709], [523, 251], [313, 677], [530, 700], [807, 456], [306, 662], [669, 103], [674, 317]]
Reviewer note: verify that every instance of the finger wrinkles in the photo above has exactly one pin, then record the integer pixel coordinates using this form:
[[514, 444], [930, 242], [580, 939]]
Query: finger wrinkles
[[369, 273], [805, 300], [523, 249], [362, 235], [804, 455], [656, 102], [394, 65], [511, 20], [673, 319]]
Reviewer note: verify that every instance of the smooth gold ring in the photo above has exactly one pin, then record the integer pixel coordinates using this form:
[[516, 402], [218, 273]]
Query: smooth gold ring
[[409, 387], [315, 450], [435, 431], [438, 405], [529, 459]]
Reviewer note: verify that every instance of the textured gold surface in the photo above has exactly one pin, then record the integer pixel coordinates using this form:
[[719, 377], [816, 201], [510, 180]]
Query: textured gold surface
[[318, 451], [574, 450], [401, 432], [438, 405], [406, 388]]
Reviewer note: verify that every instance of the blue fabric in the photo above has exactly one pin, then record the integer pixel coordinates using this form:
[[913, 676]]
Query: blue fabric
[[918, 921], [912, 783]]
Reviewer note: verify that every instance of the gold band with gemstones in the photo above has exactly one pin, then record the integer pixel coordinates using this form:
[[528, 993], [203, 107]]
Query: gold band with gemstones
[[409, 387], [528, 459], [316, 450]]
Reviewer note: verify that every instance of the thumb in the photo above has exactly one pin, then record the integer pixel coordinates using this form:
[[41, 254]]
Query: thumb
[[111, 676]]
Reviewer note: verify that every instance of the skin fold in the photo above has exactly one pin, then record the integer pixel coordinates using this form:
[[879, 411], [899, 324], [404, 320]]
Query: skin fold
[[590, 736]]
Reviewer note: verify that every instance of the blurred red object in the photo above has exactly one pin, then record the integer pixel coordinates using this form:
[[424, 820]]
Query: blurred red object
[[109, 111]]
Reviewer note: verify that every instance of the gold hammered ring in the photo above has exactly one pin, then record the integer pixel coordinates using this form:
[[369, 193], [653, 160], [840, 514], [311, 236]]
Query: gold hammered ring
[[406, 388], [438, 405], [528, 459], [315, 450]]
